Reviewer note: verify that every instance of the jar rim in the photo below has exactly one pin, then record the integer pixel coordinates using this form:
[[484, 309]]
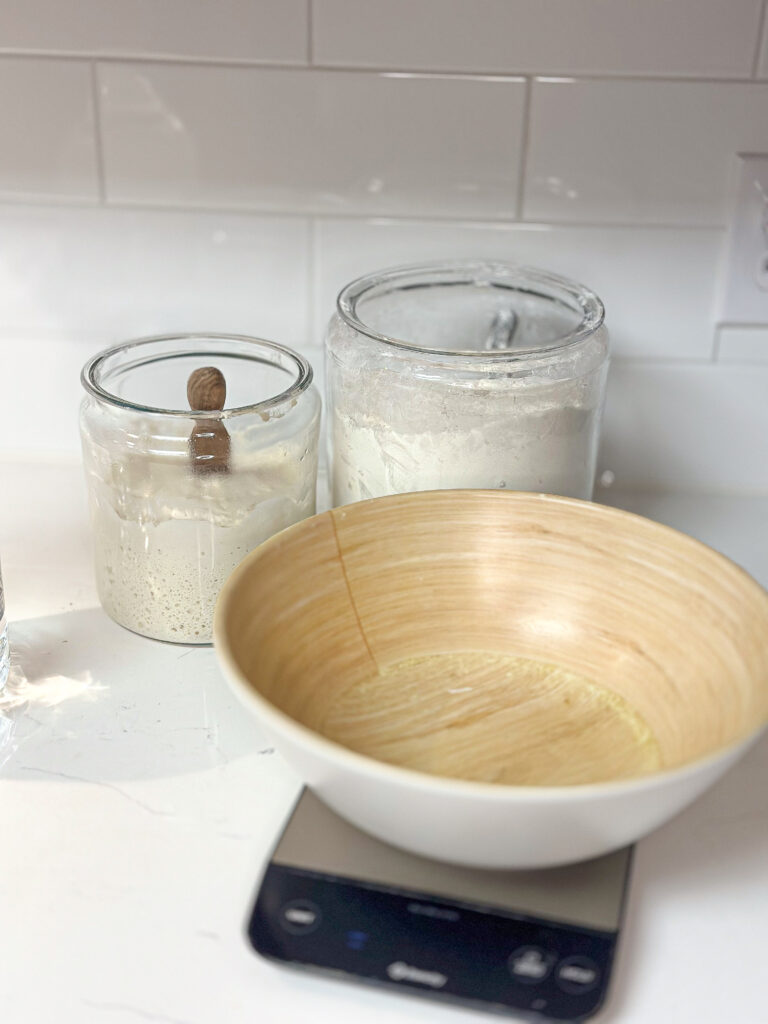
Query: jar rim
[[302, 379], [506, 274]]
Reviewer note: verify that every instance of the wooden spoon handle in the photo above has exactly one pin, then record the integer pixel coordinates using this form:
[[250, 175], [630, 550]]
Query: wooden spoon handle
[[209, 442]]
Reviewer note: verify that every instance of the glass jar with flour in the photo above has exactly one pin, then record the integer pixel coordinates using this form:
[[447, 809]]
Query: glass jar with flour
[[458, 375], [196, 449]]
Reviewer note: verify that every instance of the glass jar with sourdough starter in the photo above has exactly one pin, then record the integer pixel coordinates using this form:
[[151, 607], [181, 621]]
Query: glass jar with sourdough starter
[[196, 449], [471, 374]]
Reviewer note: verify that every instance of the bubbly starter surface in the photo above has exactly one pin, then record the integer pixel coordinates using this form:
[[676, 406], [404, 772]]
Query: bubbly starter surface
[[166, 539]]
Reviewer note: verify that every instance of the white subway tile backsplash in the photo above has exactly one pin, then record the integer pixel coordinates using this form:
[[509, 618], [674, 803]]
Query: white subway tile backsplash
[[646, 104], [686, 427], [739, 344], [316, 356], [639, 152], [266, 30], [311, 140], [762, 62], [47, 130], [51, 370], [51, 367], [97, 276], [651, 312], [632, 37]]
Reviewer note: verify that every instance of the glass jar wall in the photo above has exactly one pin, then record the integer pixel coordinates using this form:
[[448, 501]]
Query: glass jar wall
[[464, 375], [180, 493]]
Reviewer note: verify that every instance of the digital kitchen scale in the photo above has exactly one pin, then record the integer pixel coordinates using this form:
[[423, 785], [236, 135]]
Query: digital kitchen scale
[[529, 943]]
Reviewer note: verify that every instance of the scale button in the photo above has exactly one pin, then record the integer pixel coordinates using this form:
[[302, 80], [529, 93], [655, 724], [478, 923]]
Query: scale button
[[529, 964], [300, 917], [577, 974]]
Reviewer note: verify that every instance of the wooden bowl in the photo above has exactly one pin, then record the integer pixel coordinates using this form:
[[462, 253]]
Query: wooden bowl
[[496, 678]]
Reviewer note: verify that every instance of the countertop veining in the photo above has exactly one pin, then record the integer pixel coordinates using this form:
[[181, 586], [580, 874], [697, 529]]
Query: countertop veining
[[140, 802]]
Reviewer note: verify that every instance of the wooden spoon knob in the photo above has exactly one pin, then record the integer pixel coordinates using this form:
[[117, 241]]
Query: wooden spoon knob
[[206, 389]]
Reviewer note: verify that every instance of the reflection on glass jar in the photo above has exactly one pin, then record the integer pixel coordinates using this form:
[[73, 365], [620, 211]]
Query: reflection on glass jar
[[178, 497], [464, 375], [5, 654]]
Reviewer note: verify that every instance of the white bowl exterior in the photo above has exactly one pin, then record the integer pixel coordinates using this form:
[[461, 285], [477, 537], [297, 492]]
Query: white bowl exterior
[[501, 827], [509, 831]]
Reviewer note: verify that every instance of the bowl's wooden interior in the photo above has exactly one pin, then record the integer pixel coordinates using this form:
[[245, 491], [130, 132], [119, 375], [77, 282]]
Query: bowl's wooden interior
[[380, 616]]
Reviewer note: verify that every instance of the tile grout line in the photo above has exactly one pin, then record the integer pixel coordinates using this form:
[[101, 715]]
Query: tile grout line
[[85, 338], [309, 330], [662, 361], [310, 34], [372, 217], [169, 60], [523, 159], [759, 44], [715, 354], [98, 139]]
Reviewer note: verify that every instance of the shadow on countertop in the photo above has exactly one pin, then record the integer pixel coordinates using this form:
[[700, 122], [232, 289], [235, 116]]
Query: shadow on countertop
[[87, 699]]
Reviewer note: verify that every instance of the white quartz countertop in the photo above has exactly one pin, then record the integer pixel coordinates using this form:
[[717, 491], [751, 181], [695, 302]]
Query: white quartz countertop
[[139, 802]]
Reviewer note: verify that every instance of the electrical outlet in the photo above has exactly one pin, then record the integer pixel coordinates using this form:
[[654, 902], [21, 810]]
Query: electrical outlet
[[745, 298], [761, 271]]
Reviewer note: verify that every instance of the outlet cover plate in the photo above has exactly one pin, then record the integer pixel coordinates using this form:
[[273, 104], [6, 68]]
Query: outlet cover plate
[[745, 293]]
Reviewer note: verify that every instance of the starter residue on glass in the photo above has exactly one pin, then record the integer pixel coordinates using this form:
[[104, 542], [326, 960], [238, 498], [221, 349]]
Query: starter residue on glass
[[166, 539], [493, 718]]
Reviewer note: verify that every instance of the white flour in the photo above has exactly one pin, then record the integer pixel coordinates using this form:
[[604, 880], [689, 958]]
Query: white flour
[[533, 444], [412, 421]]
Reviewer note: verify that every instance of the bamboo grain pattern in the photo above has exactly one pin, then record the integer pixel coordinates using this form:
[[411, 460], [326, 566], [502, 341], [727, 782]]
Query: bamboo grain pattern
[[504, 637]]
